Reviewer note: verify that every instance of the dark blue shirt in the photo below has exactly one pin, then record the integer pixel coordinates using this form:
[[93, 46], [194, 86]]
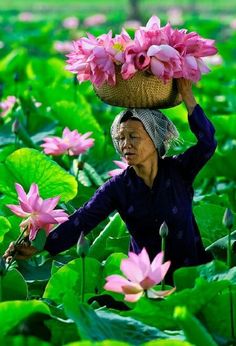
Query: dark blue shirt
[[144, 209]]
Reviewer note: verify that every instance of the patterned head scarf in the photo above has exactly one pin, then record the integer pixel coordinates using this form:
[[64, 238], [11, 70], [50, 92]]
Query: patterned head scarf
[[160, 129]]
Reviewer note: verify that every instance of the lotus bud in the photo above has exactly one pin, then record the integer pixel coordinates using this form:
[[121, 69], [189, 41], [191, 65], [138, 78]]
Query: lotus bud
[[15, 126], [164, 230], [82, 246], [228, 219]]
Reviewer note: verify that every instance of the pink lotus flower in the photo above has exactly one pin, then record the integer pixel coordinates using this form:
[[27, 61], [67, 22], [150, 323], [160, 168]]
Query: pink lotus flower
[[94, 20], [117, 46], [91, 59], [132, 24], [72, 143], [213, 60], [26, 17], [63, 46], [233, 24], [38, 213], [141, 276], [7, 105], [165, 61], [175, 16], [122, 164], [70, 23]]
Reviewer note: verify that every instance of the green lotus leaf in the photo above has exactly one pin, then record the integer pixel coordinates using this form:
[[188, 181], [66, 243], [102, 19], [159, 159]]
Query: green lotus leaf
[[26, 166]]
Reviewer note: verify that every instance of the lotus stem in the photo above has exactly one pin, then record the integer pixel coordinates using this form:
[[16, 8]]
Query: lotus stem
[[229, 250], [82, 279], [163, 248], [231, 303]]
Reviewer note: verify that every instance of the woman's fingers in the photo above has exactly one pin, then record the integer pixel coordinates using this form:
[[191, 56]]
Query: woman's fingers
[[184, 86], [10, 251], [22, 251]]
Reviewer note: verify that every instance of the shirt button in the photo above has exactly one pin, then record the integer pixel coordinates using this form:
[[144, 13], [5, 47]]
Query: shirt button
[[174, 210]]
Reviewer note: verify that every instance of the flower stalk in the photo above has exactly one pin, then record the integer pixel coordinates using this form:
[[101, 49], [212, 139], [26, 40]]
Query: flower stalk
[[232, 322], [163, 233], [228, 221], [82, 251]]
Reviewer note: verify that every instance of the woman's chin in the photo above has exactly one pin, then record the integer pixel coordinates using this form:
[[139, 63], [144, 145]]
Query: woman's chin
[[129, 159]]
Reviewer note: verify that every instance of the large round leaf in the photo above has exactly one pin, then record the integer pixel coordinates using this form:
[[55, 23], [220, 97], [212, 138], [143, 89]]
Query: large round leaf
[[70, 276], [100, 343], [5, 226], [9, 230], [185, 277], [220, 313], [26, 166], [167, 343], [12, 313], [159, 314], [209, 219], [112, 264], [13, 286], [23, 341], [92, 325], [100, 248]]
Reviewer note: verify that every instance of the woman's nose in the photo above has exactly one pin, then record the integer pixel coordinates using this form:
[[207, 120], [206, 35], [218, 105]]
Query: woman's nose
[[127, 143]]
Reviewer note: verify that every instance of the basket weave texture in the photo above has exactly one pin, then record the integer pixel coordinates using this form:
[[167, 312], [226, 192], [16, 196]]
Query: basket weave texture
[[143, 90]]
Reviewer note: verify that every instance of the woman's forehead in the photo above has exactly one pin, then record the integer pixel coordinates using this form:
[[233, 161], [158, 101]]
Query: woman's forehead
[[131, 125]]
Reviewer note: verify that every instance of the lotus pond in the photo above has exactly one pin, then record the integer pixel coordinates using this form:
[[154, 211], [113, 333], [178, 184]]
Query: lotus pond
[[61, 300]]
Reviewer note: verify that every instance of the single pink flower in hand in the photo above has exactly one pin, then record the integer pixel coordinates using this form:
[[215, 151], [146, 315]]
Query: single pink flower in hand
[[122, 164], [38, 213], [141, 275], [72, 143]]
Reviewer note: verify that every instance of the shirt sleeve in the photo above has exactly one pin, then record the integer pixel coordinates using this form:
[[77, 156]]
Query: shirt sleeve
[[194, 158], [84, 219]]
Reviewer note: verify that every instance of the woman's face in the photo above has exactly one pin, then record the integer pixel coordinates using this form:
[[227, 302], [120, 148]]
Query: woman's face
[[135, 143]]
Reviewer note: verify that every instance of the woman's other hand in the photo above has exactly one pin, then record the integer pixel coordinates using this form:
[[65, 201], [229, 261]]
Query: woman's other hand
[[185, 90], [22, 251]]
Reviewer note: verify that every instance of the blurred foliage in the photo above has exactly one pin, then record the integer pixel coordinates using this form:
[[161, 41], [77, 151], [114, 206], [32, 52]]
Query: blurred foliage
[[48, 99]]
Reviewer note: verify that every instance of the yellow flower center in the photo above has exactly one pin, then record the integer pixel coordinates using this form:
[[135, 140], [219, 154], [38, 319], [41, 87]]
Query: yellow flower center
[[118, 46]]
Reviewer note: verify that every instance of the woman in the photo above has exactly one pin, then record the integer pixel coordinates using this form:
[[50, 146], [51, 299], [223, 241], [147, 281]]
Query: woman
[[151, 190]]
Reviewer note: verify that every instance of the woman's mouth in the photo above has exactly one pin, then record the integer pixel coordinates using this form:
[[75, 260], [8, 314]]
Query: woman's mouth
[[128, 155]]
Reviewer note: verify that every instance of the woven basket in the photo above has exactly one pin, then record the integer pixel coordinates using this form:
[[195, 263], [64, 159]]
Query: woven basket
[[143, 90]]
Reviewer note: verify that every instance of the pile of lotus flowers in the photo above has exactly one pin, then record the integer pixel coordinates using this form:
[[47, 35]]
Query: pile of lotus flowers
[[161, 51]]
